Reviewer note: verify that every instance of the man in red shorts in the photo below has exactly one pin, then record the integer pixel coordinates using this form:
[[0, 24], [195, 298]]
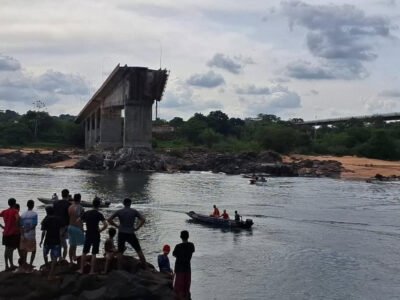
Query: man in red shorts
[[11, 234], [183, 253]]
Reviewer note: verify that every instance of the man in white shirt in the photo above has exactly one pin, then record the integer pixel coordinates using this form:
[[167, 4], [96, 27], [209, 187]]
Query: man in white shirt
[[28, 223]]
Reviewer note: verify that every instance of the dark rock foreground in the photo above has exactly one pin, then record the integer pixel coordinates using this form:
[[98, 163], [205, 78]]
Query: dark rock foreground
[[32, 159], [131, 283]]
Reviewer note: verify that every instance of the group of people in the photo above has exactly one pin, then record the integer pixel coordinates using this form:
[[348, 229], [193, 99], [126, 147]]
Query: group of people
[[224, 214], [64, 220]]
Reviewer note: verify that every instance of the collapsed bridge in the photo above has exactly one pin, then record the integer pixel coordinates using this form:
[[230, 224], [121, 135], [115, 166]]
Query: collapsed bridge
[[119, 114]]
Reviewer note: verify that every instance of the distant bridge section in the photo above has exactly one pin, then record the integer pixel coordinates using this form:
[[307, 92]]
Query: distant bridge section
[[384, 117]]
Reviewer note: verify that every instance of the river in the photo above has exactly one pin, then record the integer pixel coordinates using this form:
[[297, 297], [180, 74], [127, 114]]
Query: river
[[312, 238]]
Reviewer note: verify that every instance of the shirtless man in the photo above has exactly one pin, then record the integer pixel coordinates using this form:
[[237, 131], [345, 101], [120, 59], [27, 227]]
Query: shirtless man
[[75, 228]]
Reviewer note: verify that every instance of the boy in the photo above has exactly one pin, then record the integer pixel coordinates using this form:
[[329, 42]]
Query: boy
[[183, 253], [52, 235], [109, 248], [28, 223], [163, 261], [75, 227], [92, 218], [11, 234]]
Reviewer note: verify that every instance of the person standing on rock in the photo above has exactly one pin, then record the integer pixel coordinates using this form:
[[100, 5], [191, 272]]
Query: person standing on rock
[[126, 230], [92, 218], [183, 274], [11, 233], [61, 211], [75, 227], [52, 231], [28, 223]]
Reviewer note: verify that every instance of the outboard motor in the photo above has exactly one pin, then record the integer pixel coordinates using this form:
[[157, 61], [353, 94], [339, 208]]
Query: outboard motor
[[249, 222]]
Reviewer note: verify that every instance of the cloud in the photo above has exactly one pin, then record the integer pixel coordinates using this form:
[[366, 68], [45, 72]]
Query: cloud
[[207, 80], [376, 105], [253, 90], [279, 99], [226, 63], [342, 35], [390, 93], [326, 70], [60, 83], [8, 63], [50, 87]]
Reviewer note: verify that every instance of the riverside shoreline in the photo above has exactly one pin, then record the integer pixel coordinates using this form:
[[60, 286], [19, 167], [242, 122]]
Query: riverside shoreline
[[351, 167]]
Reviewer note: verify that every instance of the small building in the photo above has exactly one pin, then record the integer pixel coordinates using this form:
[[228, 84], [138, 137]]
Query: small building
[[119, 114]]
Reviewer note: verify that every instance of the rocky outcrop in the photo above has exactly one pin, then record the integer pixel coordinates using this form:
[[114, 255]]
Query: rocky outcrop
[[266, 162], [131, 283], [31, 159], [318, 168]]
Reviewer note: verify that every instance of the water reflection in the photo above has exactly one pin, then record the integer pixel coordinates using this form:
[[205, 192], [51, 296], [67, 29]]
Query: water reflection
[[115, 186]]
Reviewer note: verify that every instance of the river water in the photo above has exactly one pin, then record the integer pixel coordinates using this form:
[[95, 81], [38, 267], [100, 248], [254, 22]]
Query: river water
[[311, 239]]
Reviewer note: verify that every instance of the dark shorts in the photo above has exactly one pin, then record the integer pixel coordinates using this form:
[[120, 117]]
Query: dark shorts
[[55, 251], [182, 283], [11, 241], [91, 242], [130, 238]]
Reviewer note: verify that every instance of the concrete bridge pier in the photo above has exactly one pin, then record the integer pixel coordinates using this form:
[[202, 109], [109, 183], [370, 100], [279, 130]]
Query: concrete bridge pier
[[137, 127], [111, 128]]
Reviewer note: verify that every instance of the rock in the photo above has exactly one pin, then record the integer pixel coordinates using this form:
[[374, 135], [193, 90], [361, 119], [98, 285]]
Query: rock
[[32, 159], [118, 284]]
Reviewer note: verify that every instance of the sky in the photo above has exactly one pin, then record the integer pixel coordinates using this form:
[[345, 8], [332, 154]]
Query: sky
[[294, 59]]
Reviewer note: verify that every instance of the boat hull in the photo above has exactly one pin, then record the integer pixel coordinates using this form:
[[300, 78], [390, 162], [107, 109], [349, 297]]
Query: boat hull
[[49, 201], [219, 222]]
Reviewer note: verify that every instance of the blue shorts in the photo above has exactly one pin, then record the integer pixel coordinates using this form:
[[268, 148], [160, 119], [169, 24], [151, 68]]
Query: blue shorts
[[75, 236], [55, 251]]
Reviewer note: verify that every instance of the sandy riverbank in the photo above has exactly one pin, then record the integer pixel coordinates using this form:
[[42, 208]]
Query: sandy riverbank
[[357, 168]]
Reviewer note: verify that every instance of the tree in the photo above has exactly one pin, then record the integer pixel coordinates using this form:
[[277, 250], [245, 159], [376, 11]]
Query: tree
[[209, 137], [218, 121], [176, 122]]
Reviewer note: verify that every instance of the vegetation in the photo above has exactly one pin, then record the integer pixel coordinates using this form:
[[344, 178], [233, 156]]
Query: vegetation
[[217, 132], [39, 129]]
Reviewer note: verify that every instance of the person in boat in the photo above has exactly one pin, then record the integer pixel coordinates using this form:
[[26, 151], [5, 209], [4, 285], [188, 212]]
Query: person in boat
[[215, 213], [54, 197], [237, 216], [262, 179], [61, 210], [75, 227], [163, 261], [183, 253], [225, 215]]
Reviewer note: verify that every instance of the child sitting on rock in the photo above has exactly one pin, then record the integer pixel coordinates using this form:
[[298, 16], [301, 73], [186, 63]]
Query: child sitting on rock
[[109, 248], [163, 261]]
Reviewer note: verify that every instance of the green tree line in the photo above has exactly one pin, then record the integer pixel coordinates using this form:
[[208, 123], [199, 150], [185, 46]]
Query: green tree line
[[216, 131], [38, 128]]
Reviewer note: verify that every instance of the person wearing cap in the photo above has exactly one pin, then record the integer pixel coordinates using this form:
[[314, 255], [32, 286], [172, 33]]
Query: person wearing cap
[[163, 261]]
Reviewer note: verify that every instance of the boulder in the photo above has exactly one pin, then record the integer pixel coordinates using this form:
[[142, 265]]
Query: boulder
[[133, 282]]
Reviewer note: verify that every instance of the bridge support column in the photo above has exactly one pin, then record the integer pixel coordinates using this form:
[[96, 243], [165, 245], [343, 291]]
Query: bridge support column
[[138, 124], [110, 128]]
